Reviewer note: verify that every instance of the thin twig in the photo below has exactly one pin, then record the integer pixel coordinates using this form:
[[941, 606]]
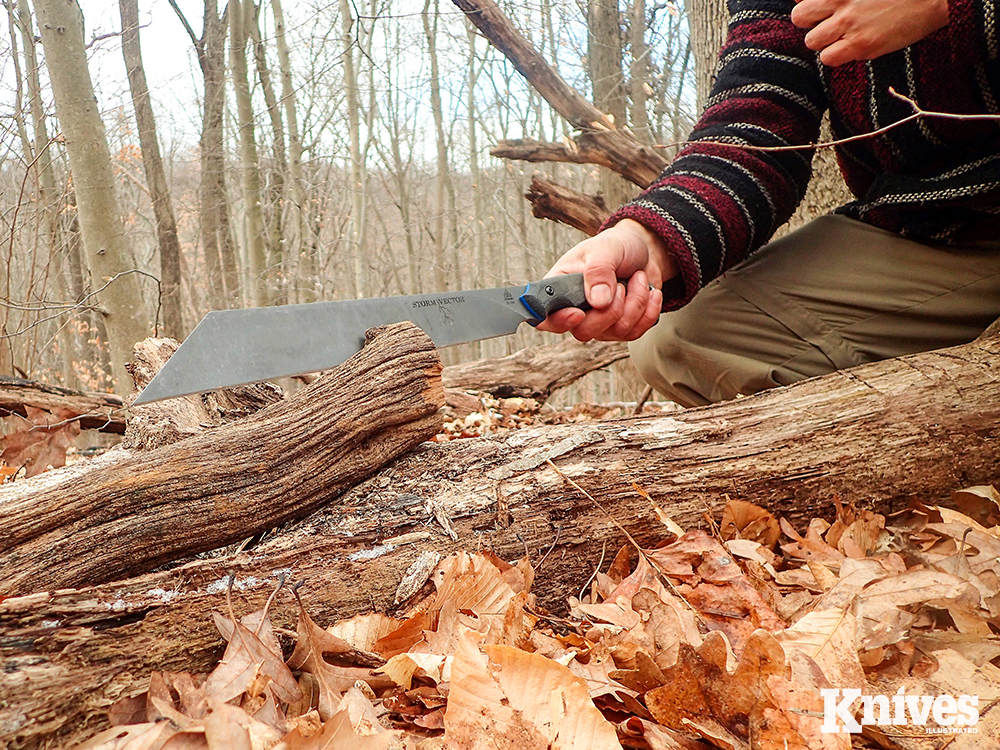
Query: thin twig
[[663, 576], [918, 113], [546, 556], [80, 305]]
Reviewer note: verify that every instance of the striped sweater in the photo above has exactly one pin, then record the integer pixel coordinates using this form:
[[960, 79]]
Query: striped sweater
[[930, 179]]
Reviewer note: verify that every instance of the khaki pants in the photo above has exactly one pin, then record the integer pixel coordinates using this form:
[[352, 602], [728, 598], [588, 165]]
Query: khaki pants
[[834, 294]]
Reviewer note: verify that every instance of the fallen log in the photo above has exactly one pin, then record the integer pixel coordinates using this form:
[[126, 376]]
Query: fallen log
[[919, 426], [127, 516], [94, 411], [535, 373]]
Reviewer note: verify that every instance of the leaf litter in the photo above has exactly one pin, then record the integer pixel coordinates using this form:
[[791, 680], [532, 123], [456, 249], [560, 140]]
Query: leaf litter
[[730, 640]]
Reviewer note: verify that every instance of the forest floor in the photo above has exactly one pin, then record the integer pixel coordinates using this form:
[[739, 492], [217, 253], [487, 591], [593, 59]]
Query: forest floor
[[857, 631]]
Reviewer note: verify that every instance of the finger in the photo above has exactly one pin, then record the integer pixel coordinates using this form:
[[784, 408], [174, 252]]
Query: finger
[[808, 13], [636, 301], [600, 320], [842, 51], [649, 317], [828, 32], [600, 277], [563, 320]]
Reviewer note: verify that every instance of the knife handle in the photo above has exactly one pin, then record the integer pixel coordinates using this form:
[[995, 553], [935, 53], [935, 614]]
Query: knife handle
[[544, 297]]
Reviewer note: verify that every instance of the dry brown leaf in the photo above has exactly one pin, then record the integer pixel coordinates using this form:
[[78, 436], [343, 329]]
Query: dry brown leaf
[[245, 660], [827, 639], [716, 587], [796, 724], [743, 520], [402, 668], [700, 689], [363, 631], [508, 698], [981, 503], [338, 734], [471, 582], [41, 440], [230, 728], [854, 576], [811, 546], [333, 681], [863, 536], [134, 737]]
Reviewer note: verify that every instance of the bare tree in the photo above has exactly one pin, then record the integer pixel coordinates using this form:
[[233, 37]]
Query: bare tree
[[277, 174], [240, 18], [156, 178], [430, 18], [604, 58], [294, 230], [214, 217], [90, 161]]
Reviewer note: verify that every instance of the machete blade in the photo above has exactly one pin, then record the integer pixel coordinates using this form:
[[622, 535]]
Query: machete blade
[[236, 347]]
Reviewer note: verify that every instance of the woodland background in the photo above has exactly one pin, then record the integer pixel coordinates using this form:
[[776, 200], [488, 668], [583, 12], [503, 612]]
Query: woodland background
[[322, 151], [341, 151]]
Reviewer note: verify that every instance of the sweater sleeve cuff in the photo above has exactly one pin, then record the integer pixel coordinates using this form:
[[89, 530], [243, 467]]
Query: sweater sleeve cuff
[[681, 289], [972, 28]]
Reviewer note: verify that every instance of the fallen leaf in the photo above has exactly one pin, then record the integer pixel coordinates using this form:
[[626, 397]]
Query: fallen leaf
[[246, 658], [134, 737], [311, 643], [40, 441], [827, 638], [699, 687], [743, 520], [508, 698]]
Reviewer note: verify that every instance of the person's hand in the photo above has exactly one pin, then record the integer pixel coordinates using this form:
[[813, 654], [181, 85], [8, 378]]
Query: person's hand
[[847, 30], [627, 251]]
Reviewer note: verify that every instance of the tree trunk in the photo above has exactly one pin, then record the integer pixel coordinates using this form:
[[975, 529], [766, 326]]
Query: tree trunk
[[275, 223], [93, 178], [879, 434], [215, 230], [604, 58], [231, 482], [296, 247], [639, 69], [240, 18], [356, 221], [430, 16], [156, 178], [708, 22]]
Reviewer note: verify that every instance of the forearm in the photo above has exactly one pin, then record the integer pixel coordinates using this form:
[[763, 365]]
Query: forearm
[[717, 202]]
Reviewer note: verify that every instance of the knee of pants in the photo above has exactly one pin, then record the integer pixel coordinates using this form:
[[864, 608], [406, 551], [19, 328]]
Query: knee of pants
[[662, 355]]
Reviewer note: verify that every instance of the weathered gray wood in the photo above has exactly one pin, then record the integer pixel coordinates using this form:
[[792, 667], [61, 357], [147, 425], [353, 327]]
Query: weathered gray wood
[[920, 426], [126, 517]]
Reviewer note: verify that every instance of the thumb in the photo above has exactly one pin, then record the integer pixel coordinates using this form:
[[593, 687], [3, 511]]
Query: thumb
[[599, 281]]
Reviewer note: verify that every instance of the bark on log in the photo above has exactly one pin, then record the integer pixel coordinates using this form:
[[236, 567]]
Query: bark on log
[[94, 411], [550, 200], [919, 426], [164, 422], [129, 516]]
